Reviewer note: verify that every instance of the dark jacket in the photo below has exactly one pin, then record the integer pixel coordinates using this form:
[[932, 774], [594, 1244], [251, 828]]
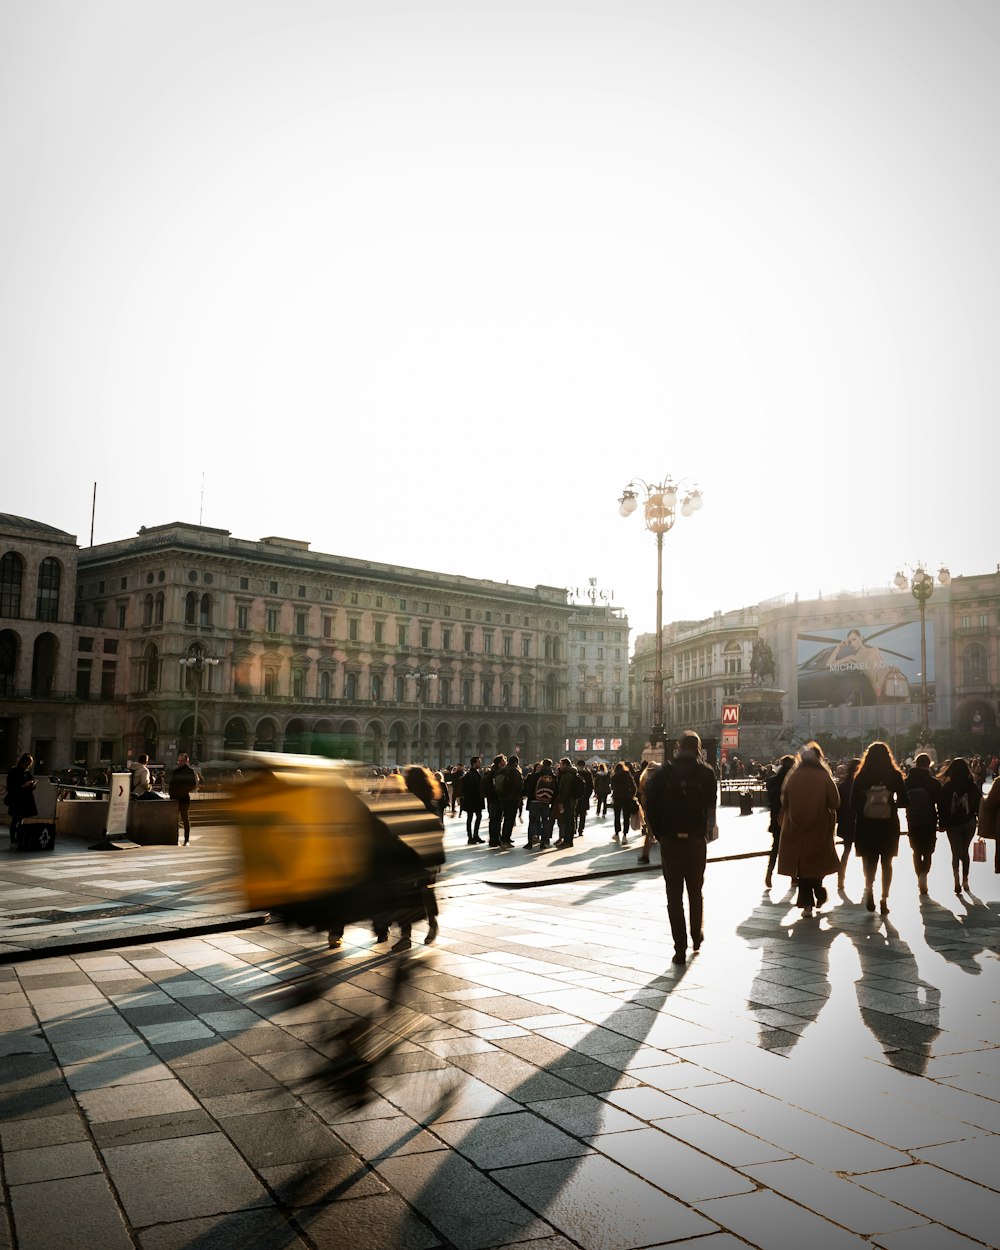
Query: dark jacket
[[681, 798], [874, 836], [183, 782], [847, 817], [955, 815], [20, 796], [472, 790], [923, 779]]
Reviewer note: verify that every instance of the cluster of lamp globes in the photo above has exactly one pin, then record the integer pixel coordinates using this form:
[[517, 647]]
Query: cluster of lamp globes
[[922, 584], [661, 501]]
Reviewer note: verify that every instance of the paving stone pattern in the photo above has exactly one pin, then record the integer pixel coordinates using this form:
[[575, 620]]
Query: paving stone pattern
[[803, 1082]]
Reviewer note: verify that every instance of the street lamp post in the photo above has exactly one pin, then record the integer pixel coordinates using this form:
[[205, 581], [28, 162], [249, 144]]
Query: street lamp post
[[660, 510], [421, 676], [921, 586], [197, 664]]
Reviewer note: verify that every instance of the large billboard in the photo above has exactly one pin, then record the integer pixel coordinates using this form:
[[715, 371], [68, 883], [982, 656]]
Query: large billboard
[[863, 666]]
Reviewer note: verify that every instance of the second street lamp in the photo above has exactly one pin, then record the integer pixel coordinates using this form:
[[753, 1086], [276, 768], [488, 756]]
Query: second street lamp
[[660, 511], [196, 665], [421, 676], [921, 586]]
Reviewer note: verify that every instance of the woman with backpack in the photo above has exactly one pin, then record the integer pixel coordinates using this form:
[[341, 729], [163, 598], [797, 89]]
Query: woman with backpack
[[959, 808], [602, 788], [878, 793]]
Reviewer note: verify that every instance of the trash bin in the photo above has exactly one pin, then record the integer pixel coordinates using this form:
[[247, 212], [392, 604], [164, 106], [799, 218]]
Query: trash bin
[[153, 824], [746, 803]]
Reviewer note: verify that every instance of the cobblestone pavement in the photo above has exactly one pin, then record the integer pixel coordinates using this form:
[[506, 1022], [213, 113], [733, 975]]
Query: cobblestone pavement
[[822, 1082]]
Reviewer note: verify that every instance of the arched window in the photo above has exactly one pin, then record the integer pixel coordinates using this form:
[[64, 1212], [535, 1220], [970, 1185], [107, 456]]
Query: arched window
[[325, 685], [466, 693], [152, 673], [975, 665], [298, 683], [47, 601], [732, 657], [191, 608], [444, 686], [487, 691], [147, 610], [525, 696], [205, 610], [158, 608], [376, 688], [400, 689], [351, 686], [505, 694], [242, 680], [270, 682], [11, 575]]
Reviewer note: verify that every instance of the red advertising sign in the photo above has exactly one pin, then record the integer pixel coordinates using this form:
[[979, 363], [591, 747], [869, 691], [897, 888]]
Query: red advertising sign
[[730, 713], [580, 744]]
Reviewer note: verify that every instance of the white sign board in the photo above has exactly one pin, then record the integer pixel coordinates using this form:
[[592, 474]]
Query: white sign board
[[121, 792]]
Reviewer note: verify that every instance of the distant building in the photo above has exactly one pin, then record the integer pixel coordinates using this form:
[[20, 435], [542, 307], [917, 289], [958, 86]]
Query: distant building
[[321, 652], [597, 704]]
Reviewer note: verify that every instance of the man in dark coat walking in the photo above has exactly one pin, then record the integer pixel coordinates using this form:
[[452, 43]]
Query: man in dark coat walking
[[680, 803]]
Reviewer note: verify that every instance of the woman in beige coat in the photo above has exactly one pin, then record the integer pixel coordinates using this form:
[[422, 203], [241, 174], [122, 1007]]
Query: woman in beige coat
[[809, 802]]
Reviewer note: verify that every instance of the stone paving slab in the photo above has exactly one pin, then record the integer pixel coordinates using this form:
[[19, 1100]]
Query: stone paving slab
[[555, 1094]]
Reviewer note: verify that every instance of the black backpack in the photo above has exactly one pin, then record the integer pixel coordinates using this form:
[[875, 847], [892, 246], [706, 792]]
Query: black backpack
[[683, 803], [919, 811], [580, 790]]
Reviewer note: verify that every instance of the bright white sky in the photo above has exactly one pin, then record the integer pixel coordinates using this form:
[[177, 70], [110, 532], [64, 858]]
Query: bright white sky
[[428, 283]]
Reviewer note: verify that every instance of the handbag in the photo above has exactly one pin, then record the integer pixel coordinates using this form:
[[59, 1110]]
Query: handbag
[[979, 851], [635, 819]]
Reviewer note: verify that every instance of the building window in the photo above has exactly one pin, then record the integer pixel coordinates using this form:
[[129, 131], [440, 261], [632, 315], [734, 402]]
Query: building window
[[300, 624], [468, 642], [272, 588], [446, 639], [425, 636], [108, 670], [244, 583], [487, 692], [298, 683], [468, 614], [191, 608], [147, 610], [402, 605], [351, 686], [489, 616], [376, 688], [525, 696], [400, 635], [327, 626], [270, 682], [205, 611], [508, 644], [327, 596], [975, 665], [379, 633], [47, 602], [378, 601], [444, 687], [302, 592], [352, 629], [243, 616], [732, 658], [83, 668], [325, 685], [122, 613], [400, 685], [110, 646], [354, 596], [99, 614], [466, 693], [488, 641], [506, 694], [526, 645], [158, 608], [272, 620], [86, 644]]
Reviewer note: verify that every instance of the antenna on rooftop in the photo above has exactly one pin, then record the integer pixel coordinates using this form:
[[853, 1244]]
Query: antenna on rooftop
[[201, 506]]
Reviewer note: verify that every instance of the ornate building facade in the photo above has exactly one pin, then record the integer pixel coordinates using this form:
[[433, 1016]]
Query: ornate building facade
[[597, 710], [229, 644]]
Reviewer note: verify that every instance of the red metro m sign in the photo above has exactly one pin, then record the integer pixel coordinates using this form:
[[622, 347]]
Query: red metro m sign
[[730, 714]]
